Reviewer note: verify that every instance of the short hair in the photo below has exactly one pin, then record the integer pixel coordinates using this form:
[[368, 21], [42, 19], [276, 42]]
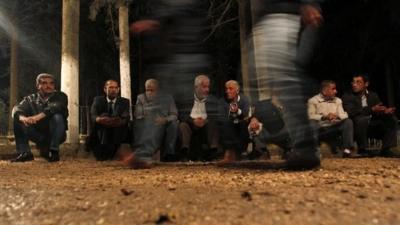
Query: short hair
[[364, 76], [151, 81], [43, 76], [234, 82], [326, 83], [199, 79], [110, 80]]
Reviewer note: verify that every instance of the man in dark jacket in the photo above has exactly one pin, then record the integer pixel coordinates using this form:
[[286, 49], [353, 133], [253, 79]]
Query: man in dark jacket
[[110, 116], [232, 123], [370, 116], [42, 118], [198, 116]]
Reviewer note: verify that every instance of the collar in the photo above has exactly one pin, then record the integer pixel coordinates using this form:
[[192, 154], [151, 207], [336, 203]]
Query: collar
[[238, 99], [109, 100], [199, 100], [322, 98], [44, 100]]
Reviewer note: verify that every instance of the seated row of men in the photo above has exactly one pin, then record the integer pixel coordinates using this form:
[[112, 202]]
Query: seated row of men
[[197, 121]]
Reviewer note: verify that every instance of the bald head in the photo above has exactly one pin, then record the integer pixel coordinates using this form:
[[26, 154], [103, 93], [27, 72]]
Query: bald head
[[202, 86], [151, 87], [232, 89]]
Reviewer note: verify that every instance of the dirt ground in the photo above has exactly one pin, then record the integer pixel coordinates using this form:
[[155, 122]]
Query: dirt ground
[[83, 191]]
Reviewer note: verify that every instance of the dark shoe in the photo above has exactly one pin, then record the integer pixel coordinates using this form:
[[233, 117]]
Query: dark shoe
[[300, 160], [43, 151], [362, 153], [54, 156], [346, 153], [184, 155], [389, 153], [262, 153], [23, 157], [210, 155], [170, 158]]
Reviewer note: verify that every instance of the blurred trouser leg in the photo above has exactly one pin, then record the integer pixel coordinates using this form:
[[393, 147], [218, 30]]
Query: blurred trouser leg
[[148, 140], [278, 74], [171, 134]]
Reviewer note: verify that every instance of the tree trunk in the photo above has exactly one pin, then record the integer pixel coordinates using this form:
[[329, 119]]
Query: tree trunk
[[70, 65], [244, 56], [13, 77], [124, 63]]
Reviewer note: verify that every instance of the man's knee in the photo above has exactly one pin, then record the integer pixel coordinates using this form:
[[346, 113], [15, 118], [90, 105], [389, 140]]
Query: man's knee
[[173, 125], [57, 118], [183, 127], [347, 124]]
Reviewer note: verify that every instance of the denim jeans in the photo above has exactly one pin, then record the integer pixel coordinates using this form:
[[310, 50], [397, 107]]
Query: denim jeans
[[51, 133]]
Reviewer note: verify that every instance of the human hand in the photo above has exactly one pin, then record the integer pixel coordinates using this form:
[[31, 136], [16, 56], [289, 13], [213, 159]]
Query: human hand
[[379, 108], [390, 110], [233, 107], [199, 122], [103, 120], [160, 120], [27, 121], [332, 116], [36, 118], [254, 124], [144, 25], [311, 15]]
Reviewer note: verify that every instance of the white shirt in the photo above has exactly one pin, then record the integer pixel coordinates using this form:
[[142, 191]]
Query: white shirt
[[199, 108], [364, 99]]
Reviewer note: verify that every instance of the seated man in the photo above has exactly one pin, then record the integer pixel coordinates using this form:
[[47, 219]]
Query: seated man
[[110, 116], [370, 116], [266, 126], [41, 118], [156, 124], [197, 116], [233, 111], [327, 116]]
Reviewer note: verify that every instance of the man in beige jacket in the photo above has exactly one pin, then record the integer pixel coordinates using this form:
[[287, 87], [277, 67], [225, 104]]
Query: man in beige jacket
[[327, 115]]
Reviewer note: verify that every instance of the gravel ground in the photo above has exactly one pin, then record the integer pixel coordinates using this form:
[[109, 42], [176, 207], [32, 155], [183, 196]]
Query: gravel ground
[[83, 191]]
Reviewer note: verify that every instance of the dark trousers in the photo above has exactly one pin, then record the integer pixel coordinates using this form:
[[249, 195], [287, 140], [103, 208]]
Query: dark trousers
[[49, 132], [342, 129], [105, 151], [233, 136], [382, 127], [107, 140], [198, 140]]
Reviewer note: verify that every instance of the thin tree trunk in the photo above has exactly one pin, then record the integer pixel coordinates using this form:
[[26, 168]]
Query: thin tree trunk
[[13, 77], [70, 65], [243, 6], [124, 63]]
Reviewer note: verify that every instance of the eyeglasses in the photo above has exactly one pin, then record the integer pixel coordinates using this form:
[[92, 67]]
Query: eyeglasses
[[357, 82]]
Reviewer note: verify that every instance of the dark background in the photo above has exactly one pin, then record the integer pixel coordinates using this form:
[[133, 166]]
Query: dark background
[[357, 36]]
